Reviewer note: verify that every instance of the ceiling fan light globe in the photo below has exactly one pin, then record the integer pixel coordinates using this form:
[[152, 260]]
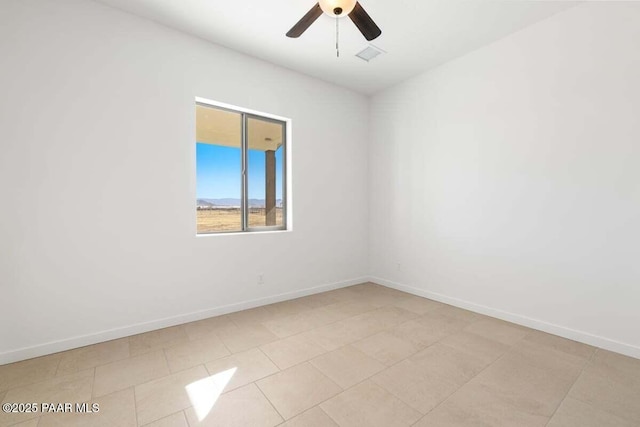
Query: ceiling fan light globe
[[328, 6]]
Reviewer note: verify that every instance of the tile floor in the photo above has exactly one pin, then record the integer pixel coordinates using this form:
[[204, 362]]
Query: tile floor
[[359, 356]]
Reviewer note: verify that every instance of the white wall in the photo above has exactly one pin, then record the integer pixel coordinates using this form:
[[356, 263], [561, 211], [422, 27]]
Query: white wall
[[508, 180], [505, 181], [97, 179]]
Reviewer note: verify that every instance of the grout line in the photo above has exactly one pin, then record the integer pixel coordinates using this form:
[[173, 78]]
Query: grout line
[[584, 366], [271, 360], [343, 390], [328, 415], [186, 419], [373, 375], [135, 404], [473, 377], [93, 384], [166, 360], [55, 374], [43, 379], [165, 417], [223, 344], [308, 331], [284, 420], [386, 329]]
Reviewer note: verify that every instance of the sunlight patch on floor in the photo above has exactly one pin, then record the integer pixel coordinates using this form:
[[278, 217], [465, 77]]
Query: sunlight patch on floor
[[205, 392]]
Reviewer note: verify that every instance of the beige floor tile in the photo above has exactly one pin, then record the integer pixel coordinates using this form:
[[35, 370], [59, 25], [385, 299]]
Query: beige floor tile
[[290, 324], [251, 316], [347, 366], [343, 294], [350, 307], [399, 356], [419, 335], [174, 420], [297, 389], [448, 363], [69, 388], [386, 317], [421, 392], [193, 353], [426, 379], [314, 417], [417, 304], [208, 327], [617, 367], [249, 366], [608, 395], [338, 334], [498, 330], [117, 409], [286, 308], [29, 371], [369, 405], [560, 344], [430, 328], [386, 347], [474, 405], [465, 316], [159, 398], [546, 357], [300, 322], [247, 336], [129, 372], [320, 300], [242, 407], [375, 297], [292, 351], [460, 314], [92, 356], [533, 379], [30, 423], [156, 340], [482, 348], [340, 311], [574, 413], [364, 325]]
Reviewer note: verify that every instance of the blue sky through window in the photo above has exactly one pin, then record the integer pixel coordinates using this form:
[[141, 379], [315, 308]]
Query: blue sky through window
[[218, 172]]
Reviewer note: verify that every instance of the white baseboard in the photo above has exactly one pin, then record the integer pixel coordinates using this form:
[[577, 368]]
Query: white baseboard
[[572, 334], [84, 340]]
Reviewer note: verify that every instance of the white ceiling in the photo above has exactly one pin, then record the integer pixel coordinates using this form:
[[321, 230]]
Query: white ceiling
[[416, 34]]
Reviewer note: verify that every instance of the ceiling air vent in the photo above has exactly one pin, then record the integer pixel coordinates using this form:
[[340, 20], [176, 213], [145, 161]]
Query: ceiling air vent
[[369, 53]]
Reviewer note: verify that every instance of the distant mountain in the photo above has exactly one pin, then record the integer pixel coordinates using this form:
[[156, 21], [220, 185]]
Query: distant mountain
[[253, 203], [218, 202]]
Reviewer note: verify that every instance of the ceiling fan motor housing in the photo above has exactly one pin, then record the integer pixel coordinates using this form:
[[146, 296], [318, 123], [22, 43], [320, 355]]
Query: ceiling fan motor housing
[[337, 7]]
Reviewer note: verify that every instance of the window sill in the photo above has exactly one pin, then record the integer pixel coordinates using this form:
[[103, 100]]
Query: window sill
[[242, 233]]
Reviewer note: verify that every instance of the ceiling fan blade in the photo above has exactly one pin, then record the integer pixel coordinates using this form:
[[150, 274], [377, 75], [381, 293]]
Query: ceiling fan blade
[[305, 22], [365, 24]]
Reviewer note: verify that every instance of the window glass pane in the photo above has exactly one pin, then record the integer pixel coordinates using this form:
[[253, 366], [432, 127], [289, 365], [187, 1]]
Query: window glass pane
[[218, 170], [265, 172]]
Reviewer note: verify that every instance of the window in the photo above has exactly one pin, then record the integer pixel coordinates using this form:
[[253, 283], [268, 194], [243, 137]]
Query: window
[[240, 171]]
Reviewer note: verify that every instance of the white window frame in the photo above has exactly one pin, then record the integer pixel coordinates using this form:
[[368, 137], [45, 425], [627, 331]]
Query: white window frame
[[287, 224]]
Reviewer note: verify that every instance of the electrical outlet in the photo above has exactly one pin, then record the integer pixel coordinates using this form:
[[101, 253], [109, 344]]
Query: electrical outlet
[[261, 279], [398, 266]]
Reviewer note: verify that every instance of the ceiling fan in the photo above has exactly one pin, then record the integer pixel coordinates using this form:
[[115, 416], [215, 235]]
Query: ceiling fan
[[338, 9]]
